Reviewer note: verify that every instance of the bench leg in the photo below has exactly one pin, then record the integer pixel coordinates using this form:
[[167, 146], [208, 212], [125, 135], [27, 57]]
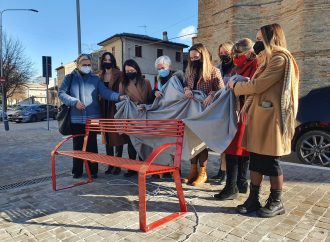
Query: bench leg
[[53, 172], [142, 202], [178, 184], [88, 171]]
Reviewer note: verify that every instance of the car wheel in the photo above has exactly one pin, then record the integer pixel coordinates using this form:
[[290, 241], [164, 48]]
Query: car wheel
[[313, 147], [34, 118]]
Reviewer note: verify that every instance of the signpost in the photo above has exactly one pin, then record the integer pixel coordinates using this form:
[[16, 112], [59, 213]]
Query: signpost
[[47, 72], [4, 114]]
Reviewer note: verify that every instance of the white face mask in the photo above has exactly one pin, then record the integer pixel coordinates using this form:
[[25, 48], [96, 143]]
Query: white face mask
[[85, 69]]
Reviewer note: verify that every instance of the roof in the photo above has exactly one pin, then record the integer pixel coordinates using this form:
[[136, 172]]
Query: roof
[[142, 37]]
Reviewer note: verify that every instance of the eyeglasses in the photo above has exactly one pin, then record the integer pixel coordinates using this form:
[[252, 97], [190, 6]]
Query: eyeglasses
[[86, 65]]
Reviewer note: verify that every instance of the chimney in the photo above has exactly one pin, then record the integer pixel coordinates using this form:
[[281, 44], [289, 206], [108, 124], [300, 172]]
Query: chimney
[[165, 38]]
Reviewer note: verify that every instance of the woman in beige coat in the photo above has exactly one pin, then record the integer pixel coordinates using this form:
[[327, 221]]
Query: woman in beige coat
[[271, 113]]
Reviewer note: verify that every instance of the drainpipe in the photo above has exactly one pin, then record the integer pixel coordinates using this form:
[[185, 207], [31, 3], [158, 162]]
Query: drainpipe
[[122, 52]]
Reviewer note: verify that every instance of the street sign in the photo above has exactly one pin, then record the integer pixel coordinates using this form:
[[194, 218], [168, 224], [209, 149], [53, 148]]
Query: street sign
[[47, 66], [2, 80]]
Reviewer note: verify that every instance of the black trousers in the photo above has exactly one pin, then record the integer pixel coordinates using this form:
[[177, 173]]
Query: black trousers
[[78, 142], [237, 167]]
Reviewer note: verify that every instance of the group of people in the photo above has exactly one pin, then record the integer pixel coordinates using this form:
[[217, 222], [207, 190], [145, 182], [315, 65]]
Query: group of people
[[262, 74]]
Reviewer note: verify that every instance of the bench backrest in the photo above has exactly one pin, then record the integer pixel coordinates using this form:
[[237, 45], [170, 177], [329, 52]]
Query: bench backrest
[[149, 127]]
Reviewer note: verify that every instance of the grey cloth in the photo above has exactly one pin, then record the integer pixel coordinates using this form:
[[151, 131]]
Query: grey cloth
[[213, 127]]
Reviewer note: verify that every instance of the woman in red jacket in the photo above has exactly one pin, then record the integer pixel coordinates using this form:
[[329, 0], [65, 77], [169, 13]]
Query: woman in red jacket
[[236, 156]]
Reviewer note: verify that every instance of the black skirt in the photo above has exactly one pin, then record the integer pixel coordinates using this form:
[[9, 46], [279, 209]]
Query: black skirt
[[265, 164]]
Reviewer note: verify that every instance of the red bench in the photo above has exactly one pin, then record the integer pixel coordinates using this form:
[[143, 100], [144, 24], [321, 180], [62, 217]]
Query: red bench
[[170, 128]]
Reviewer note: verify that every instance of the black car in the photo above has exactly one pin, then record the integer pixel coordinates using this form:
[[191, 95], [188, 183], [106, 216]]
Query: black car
[[33, 113], [312, 136]]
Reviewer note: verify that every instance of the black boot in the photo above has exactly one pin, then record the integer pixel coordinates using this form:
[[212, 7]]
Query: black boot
[[274, 205], [242, 183], [243, 187], [252, 203], [116, 171], [130, 173], [220, 177], [230, 191], [107, 172]]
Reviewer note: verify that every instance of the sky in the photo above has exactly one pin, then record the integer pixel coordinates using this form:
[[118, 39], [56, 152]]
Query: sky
[[53, 30]]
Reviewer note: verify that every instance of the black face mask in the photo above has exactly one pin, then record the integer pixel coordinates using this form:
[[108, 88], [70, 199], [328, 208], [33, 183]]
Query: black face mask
[[225, 58], [258, 47], [196, 64], [107, 65], [131, 75]]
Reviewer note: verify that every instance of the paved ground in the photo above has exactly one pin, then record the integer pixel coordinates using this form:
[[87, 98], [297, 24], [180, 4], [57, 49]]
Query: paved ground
[[107, 209]]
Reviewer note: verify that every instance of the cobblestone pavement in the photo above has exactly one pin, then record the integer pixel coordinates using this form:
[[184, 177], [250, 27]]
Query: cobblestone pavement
[[107, 209]]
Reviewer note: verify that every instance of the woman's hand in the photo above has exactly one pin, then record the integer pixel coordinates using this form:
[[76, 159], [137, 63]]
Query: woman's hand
[[80, 105], [159, 94], [231, 84], [122, 97], [188, 93], [207, 101]]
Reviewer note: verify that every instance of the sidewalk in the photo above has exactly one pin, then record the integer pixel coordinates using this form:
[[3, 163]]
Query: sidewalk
[[107, 209]]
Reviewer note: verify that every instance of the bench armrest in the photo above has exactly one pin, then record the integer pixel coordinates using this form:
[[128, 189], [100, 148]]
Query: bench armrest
[[54, 151], [156, 152]]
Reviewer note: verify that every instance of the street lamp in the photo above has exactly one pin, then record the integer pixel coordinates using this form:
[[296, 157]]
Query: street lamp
[[4, 115]]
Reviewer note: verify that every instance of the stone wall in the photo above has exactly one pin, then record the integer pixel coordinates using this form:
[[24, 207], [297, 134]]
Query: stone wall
[[306, 24]]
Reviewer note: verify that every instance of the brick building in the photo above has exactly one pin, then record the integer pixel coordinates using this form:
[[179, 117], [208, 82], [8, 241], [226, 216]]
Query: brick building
[[306, 24]]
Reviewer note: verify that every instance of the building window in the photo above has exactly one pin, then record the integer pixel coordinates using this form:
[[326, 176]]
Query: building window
[[178, 56], [138, 51], [113, 50], [159, 52]]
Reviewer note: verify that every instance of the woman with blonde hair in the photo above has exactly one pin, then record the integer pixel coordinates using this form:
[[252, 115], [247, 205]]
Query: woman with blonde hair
[[270, 118], [203, 76]]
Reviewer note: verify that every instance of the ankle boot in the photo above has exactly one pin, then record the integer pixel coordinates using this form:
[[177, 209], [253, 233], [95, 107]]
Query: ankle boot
[[193, 173], [252, 203], [202, 177], [229, 192], [274, 205]]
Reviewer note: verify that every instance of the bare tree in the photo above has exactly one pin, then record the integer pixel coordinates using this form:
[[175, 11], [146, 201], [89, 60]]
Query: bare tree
[[17, 68]]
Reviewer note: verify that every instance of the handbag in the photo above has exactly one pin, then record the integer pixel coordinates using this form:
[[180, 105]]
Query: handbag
[[64, 118]]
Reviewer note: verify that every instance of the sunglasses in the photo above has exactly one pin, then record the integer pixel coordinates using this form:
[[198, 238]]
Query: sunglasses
[[86, 65]]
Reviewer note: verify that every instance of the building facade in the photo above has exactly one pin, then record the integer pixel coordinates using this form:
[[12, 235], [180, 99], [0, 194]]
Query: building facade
[[306, 24], [144, 50]]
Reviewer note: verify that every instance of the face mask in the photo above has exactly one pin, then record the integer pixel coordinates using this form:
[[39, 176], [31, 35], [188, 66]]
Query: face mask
[[240, 61], [196, 64], [258, 47], [225, 58], [85, 69], [131, 75], [163, 72], [107, 65]]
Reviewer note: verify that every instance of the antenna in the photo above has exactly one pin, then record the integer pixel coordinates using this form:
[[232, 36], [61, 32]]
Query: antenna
[[145, 28]]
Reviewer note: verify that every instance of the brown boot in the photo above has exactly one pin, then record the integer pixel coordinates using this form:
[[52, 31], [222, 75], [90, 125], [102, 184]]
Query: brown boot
[[202, 177], [193, 173]]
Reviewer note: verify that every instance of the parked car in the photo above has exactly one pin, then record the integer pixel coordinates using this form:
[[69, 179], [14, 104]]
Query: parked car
[[32, 113], [312, 136]]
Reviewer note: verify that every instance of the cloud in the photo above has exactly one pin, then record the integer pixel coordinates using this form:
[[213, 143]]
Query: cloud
[[188, 32]]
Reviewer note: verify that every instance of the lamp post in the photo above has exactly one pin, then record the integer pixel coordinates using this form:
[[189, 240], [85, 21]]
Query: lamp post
[[4, 115], [78, 26]]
